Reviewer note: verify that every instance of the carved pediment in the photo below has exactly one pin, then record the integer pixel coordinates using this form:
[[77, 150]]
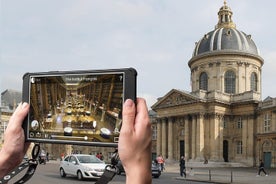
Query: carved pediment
[[174, 98]]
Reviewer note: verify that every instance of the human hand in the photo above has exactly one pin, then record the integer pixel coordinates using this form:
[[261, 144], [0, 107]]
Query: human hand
[[135, 142], [14, 147]]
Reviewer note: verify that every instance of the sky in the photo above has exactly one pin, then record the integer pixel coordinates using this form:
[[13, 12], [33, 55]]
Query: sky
[[156, 37]]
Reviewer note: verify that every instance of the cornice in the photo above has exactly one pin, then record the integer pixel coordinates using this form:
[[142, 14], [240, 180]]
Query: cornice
[[224, 53]]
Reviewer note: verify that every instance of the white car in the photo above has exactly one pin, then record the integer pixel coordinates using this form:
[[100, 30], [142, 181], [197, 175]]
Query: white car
[[82, 166]]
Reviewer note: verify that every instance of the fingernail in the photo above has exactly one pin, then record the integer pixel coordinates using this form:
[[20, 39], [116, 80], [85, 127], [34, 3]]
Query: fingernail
[[128, 103], [24, 105]]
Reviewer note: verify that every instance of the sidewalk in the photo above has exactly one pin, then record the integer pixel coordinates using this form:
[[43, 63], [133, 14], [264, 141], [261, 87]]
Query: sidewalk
[[223, 175]]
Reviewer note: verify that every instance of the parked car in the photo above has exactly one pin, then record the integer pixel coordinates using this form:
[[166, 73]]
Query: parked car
[[82, 166], [155, 169]]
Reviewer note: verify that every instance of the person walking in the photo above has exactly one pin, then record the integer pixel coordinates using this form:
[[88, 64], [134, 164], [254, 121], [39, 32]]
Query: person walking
[[182, 166], [261, 169], [161, 162]]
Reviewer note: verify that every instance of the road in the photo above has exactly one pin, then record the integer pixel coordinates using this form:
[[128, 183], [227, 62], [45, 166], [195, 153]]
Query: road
[[49, 173]]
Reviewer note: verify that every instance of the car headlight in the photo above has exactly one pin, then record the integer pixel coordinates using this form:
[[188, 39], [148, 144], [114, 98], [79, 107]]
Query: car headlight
[[87, 169], [99, 170]]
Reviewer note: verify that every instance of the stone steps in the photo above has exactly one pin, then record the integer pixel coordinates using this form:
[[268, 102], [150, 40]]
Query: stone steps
[[194, 164]]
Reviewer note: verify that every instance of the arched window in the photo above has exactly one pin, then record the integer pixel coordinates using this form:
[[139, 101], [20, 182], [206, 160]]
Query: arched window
[[203, 81], [230, 82], [253, 81]]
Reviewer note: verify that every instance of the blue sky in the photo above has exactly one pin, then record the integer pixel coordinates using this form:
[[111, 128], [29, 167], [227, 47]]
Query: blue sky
[[157, 37]]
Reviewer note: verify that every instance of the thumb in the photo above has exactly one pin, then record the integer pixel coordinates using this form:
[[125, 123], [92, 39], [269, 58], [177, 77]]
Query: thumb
[[129, 112]]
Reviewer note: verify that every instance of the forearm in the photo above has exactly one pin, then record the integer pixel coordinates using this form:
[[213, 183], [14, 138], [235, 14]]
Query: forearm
[[14, 146], [139, 176], [5, 165]]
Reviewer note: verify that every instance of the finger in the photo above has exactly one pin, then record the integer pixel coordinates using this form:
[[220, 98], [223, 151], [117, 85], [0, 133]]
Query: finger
[[142, 110], [128, 116], [142, 117]]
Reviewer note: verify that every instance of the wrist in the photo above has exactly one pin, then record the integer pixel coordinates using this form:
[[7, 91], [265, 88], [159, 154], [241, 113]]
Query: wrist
[[139, 175]]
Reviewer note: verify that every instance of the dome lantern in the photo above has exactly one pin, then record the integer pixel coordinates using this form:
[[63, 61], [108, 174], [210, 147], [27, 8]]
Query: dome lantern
[[225, 17], [225, 38]]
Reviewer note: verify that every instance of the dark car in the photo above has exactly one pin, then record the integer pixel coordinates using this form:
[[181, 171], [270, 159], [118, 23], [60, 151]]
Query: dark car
[[155, 170]]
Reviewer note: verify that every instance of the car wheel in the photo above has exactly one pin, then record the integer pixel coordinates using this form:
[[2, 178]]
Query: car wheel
[[79, 175], [62, 172]]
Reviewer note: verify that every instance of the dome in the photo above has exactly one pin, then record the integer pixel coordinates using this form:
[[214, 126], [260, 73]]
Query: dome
[[225, 37]]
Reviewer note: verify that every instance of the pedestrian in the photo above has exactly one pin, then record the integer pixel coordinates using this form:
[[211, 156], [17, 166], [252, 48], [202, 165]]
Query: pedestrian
[[62, 156], [182, 166], [161, 162], [261, 168], [101, 157], [47, 156], [98, 155]]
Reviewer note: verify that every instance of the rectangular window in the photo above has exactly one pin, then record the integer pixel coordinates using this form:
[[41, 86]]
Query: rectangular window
[[239, 147], [239, 123], [224, 123], [267, 122]]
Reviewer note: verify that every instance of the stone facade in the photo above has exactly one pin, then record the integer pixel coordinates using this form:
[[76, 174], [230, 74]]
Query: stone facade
[[223, 119]]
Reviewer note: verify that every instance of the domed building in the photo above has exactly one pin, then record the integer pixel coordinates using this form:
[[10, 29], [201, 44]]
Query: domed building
[[223, 118]]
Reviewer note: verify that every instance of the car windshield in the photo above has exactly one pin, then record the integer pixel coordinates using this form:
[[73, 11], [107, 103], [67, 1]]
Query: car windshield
[[88, 159]]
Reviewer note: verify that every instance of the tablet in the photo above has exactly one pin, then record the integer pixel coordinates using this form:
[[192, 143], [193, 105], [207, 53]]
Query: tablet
[[77, 107]]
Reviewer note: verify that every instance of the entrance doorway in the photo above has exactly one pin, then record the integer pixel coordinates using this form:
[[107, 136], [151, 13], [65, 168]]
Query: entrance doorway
[[182, 148], [267, 159], [225, 151]]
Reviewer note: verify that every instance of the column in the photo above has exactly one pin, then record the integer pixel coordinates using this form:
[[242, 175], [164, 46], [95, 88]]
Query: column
[[159, 137], [187, 139], [164, 139], [214, 136], [194, 137], [170, 139], [68, 149], [200, 137]]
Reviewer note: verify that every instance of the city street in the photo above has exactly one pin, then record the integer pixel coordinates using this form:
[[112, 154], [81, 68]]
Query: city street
[[49, 173]]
